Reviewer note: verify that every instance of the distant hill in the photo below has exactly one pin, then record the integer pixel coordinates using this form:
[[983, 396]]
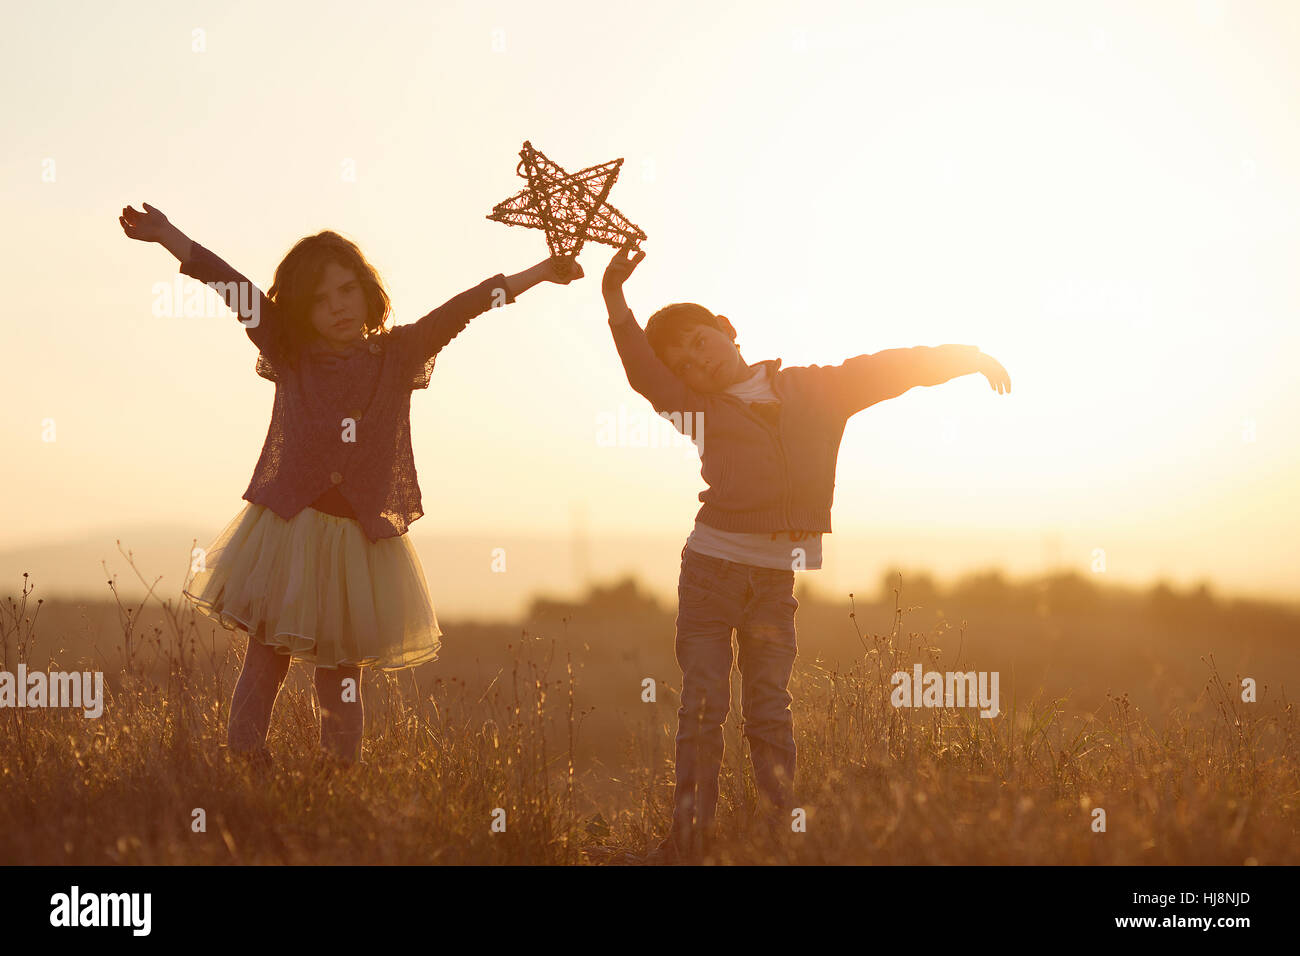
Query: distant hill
[[463, 583]]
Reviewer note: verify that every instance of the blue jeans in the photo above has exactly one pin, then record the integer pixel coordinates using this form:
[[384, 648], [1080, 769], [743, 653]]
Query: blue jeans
[[713, 597]]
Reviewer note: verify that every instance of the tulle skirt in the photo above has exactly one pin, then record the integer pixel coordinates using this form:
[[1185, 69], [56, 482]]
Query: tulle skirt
[[316, 588]]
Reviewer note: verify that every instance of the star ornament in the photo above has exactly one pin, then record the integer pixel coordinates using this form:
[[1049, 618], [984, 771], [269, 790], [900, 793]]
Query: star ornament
[[570, 208]]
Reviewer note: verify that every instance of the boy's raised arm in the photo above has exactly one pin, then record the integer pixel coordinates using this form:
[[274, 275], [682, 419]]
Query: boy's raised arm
[[864, 380], [645, 372]]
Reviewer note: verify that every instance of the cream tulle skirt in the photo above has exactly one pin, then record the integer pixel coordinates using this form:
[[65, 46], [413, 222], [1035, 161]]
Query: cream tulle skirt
[[316, 588]]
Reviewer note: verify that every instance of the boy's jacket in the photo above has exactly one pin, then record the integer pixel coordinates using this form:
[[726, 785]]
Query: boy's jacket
[[778, 476]]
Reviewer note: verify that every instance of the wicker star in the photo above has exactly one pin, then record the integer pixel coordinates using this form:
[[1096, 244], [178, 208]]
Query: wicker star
[[571, 208]]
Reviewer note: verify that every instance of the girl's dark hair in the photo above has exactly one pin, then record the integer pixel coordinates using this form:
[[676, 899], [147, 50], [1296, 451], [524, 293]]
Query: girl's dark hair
[[298, 274]]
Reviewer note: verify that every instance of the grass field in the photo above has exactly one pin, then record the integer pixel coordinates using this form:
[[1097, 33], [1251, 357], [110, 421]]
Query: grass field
[[1129, 702]]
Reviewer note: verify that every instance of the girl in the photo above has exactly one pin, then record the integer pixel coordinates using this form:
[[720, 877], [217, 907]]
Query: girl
[[317, 565]]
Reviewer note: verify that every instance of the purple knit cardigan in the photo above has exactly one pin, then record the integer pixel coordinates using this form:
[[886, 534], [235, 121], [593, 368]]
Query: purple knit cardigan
[[342, 420]]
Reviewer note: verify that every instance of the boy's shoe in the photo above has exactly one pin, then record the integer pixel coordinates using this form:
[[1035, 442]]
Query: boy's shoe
[[773, 823], [329, 765], [775, 838]]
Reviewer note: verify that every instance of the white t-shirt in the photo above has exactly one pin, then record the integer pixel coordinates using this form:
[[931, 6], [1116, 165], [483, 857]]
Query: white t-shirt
[[784, 550]]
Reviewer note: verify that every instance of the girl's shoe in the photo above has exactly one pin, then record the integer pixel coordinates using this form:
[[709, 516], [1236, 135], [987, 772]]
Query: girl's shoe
[[665, 854], [259, 759]]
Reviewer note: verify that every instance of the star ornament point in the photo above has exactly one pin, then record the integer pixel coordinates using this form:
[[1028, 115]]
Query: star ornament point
[[571, 208]]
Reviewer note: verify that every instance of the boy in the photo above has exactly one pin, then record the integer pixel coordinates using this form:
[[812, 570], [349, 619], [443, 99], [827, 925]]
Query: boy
[[768, 450]]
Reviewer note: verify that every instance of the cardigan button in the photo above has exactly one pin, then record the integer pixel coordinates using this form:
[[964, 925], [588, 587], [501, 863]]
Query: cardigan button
[[335, 478], [356, 415], [375, 348]]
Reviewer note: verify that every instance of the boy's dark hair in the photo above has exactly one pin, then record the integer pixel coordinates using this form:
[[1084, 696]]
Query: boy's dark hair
[[667, 326], [298, 274]]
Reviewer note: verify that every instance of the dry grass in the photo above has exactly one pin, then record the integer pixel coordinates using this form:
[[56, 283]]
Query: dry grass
[[1212, 782]]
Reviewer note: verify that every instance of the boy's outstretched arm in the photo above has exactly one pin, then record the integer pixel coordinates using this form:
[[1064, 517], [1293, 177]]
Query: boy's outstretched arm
[[255, 311], [863, 381], [645, 373]]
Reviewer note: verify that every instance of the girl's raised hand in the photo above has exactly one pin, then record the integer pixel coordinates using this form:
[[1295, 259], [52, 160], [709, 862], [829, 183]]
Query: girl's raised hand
[[563, 269], [148, 226], [620, 267]]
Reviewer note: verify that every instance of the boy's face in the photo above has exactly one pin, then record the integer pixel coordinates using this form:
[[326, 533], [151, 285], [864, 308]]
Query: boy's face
[[706, 358]]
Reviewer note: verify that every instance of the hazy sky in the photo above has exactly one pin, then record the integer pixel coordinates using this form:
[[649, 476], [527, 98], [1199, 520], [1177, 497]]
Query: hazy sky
[[1103, 196]]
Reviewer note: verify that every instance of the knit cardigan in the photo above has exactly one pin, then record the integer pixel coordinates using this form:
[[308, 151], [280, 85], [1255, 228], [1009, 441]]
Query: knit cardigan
[[341, 419]]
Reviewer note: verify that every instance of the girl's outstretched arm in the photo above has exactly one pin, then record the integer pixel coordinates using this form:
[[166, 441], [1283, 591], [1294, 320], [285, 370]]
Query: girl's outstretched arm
[[256, 312], [421, 341]]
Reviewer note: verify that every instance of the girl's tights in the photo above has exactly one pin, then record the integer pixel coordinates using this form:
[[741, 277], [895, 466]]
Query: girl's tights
[[259, 683]]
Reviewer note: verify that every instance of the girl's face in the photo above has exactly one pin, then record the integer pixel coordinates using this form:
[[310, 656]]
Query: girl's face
[[338, 307]]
